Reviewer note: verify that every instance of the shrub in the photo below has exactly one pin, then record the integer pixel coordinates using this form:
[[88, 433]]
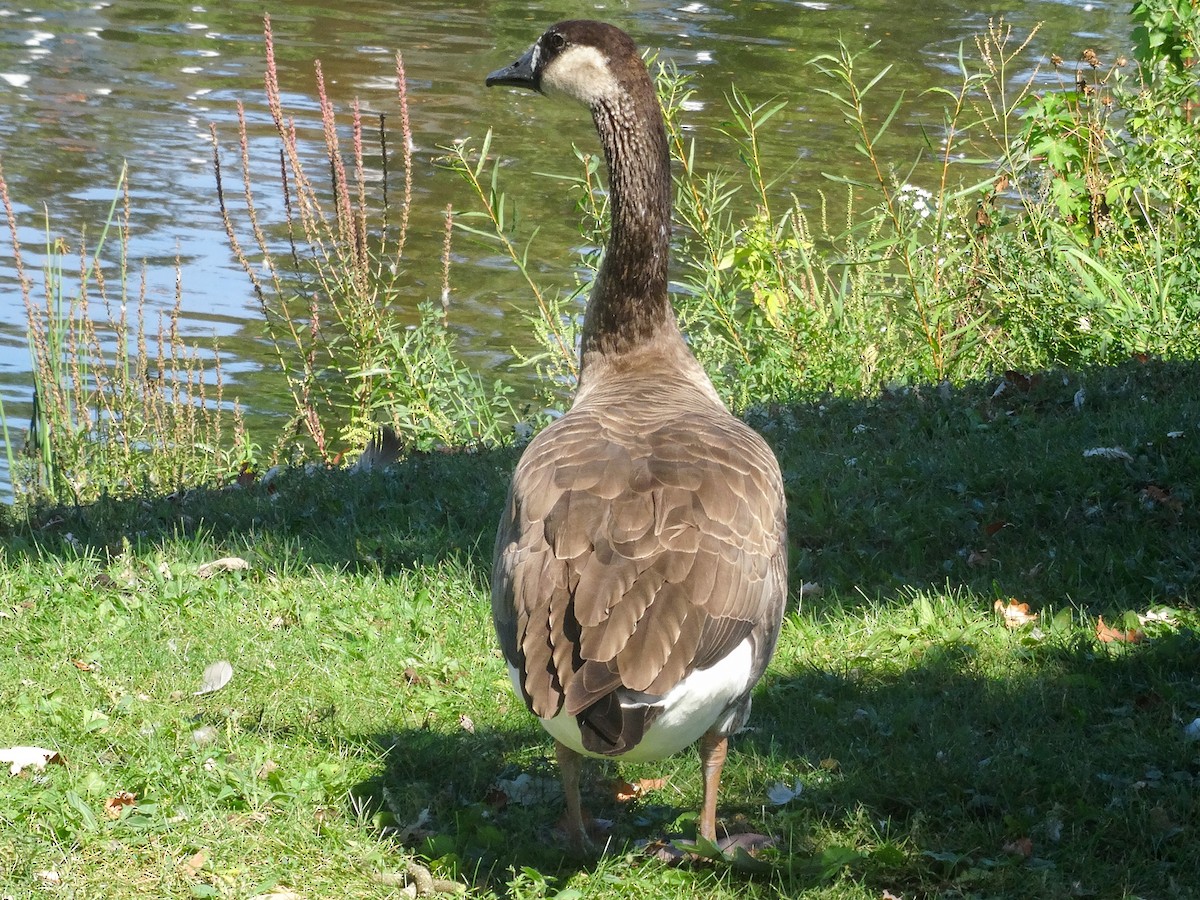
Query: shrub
[[1038, 228]]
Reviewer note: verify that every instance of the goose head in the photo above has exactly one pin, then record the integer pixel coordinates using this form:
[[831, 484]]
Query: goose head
[[599, 65], [584, 60]]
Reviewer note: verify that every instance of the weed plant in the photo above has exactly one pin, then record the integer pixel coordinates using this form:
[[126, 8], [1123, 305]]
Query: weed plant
[[121, 403], [328, 279]]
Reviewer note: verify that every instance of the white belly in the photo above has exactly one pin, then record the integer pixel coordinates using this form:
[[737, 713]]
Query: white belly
[[689, 709]]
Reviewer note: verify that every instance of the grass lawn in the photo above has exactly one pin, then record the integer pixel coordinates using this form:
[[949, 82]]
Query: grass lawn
[[905, 743]]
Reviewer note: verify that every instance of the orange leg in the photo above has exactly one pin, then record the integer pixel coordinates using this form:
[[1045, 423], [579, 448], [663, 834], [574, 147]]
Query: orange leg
[[713, 749], [569, 765]]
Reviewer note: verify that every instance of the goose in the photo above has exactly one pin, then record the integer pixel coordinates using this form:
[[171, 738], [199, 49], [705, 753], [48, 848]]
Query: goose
[[640, 571]]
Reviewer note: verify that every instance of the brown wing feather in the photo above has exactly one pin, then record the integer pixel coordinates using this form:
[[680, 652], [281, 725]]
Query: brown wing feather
[[643, 538]]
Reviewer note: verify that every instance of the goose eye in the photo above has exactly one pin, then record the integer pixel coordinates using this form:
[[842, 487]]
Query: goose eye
[[556, 42]]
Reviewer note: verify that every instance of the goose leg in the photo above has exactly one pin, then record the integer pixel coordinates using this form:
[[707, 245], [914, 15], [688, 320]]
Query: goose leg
[[569, 765], [713, 748]]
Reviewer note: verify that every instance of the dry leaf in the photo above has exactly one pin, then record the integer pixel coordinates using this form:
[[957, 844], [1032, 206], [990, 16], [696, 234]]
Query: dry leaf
[[978, 558], [114, 804], [1020, 847], [104, 580], [280, 893], [1107, 634], [829, 764], [82, 666], [224, 564], [466, 723], [20, 757], [1021, 381], [1014, 614], [625, 791], [1152, 494], [1156, 615], [991, 528], [194, 864], [1108, 453], [266, 769], [47, 877], [215, 677]]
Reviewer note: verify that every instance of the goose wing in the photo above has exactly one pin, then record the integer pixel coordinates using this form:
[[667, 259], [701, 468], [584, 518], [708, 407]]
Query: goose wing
[[632, 553]]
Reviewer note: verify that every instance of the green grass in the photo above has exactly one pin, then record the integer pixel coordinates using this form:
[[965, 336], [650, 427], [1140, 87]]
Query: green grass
[[925, 735]]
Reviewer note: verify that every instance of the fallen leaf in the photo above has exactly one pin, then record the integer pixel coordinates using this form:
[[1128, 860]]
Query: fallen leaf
[[104, 580], [978, 558], [466, 723], [20, 757], [1107, 453], [1192, 731], [1108, 634], [194, 863], [991, 528], [1153, 495], [82, 666], [1020, 847], [280, 893], [215, 677], [224, 564], [1021, 381], [1157, 615], [625, 791], [525, 790], [779, 793], [496, 798], [1014, 614], [47, 877], [829, 764], [114, 804], [266, 769]]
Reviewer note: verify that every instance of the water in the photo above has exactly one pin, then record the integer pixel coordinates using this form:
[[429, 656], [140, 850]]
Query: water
[[87, 87]]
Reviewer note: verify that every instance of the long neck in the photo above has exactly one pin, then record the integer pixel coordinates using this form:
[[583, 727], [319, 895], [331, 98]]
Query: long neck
[[629, 307]]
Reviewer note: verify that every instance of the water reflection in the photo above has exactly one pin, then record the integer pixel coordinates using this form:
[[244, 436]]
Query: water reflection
[[86, 86]]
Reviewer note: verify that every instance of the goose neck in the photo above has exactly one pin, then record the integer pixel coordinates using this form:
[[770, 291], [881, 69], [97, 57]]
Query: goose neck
[[629, 306]]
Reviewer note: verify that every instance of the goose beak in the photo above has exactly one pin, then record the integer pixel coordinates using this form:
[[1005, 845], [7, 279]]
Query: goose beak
[[519, 74]]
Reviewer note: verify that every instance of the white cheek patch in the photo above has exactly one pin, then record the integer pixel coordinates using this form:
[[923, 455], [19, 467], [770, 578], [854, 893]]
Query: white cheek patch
[[581, 73]]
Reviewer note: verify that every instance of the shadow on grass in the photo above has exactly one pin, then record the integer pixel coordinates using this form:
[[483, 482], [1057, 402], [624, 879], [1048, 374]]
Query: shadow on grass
[[943, 750], [946, 765], [957, 754], [984, 487], [429, 507]]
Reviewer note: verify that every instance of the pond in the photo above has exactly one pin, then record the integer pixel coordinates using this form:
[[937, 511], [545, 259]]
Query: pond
[[88, 87]]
